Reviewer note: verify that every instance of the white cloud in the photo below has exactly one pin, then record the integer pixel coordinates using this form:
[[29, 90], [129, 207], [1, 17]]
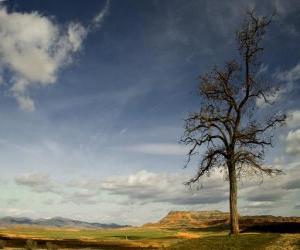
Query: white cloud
[[167, 190], [82, 197], [158, 149], [263, 68], [290, 75], [140, 187], [98, 19], [147, 187], [34, 48], [17, 211], [38, 182], [265, 195], [293, 119], [275, 195], [293, 142], [76, 33], [25, 102], [272, 97]]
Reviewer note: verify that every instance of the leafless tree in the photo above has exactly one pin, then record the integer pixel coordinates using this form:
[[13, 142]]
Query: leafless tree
[[228, 124]]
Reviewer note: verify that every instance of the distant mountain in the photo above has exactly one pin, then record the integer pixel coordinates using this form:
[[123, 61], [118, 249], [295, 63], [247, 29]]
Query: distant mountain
[[54, 222], [219, 219]]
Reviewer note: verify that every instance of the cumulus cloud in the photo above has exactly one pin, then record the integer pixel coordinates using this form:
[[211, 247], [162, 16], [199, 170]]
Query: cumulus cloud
[[34, 48], [149, 187], [260, 205], [76, 193], [292, 184], [269, 195], [293, 142], [274, 96], [293, 120], [292, 179], [265, 195], [82, 197], [141, 187], [290, 75], [38, 182], [146, 186]]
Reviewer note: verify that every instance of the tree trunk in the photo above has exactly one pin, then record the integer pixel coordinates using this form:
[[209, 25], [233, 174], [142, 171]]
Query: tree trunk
[[234, 217]]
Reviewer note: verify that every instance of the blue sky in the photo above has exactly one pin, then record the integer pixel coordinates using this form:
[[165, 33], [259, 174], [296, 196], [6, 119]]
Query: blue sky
[[93, 98]]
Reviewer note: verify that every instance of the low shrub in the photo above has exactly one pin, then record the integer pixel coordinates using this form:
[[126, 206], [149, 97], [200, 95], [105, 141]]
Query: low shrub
[[2, 244], [51, 246], [30, 245]]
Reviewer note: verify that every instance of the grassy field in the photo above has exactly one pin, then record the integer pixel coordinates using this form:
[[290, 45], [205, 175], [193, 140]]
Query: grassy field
[[129, 237], [268, 241], [147, 238]]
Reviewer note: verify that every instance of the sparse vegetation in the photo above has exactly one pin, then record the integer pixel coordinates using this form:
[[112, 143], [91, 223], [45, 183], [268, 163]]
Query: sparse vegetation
[[30, 245], [224, 242], [154, 238], [51, 246], [129, 237], [2, 244], [177, 230]]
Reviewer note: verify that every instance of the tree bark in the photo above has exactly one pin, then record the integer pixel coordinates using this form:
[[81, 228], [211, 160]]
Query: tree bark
[[234, 217]]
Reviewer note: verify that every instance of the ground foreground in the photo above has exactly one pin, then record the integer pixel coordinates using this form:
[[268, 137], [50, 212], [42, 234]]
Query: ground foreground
[[142, 238], [178, 230], [248, 241]]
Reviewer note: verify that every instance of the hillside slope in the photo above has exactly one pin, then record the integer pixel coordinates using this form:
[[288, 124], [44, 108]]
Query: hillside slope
[[191, 219], [215, 218]]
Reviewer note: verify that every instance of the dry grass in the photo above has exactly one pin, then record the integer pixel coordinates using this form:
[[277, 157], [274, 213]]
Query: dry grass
[[149, 238]]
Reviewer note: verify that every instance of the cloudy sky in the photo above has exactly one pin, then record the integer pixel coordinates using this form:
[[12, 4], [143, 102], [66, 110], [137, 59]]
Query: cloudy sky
[[93, 98]]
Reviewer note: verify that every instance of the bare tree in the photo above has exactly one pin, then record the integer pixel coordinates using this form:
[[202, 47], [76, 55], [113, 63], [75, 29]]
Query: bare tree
[[228, 123]]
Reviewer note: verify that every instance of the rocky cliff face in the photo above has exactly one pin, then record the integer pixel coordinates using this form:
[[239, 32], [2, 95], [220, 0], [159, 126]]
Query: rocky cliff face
[[215, 218], [192, 219]]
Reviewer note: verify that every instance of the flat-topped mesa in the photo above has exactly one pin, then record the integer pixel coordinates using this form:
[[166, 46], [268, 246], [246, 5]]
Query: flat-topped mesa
[[202, 212], [192, 219], [216, 218], [200, 215]]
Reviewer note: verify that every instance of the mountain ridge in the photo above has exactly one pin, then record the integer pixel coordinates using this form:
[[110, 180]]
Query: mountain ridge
[[55, 222]]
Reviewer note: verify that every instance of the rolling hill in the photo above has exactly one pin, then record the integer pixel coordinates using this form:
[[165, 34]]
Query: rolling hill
[[54, 222]]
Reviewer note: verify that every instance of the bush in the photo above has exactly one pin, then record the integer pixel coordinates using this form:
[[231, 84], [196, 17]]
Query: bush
[[30, 245], [51, 246], [2, 244]]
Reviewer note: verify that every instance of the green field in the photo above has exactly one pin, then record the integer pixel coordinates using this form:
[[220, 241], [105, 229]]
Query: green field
[[259, 241], [129, 237], [147, 238]]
